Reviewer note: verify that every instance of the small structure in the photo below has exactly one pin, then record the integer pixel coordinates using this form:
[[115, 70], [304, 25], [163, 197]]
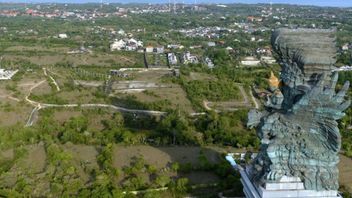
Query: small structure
[[189, 58], [267, 59], [63, 36], [118, 73], [345, 47], [149, 49], [159, 50], [250, 61], [211, 44], [118, 45], [209, 63], [7, 74], [172, 58], [126, 44]]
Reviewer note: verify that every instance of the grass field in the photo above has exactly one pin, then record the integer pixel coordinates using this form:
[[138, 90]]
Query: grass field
[[100, 59], [176, 95]]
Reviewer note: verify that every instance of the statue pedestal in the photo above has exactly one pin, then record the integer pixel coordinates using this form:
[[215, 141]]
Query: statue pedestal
[[286, 187]]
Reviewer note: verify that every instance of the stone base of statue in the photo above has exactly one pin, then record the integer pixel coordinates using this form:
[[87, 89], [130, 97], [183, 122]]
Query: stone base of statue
[[286, 187]]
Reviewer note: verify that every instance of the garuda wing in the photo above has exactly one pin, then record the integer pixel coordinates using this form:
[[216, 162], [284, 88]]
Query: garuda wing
[[321, 107]]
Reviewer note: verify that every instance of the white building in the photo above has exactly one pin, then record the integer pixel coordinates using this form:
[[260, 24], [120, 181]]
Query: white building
[[118, 45], [345, 47], [126, 44], [250, 61], [172, 58], [209, 63], [268, 59], [189, 58], [63, 36], [7, 74], [211, 44], [149, 49]]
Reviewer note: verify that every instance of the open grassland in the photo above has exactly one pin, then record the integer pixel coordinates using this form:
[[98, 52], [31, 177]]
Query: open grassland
[[175, 95], [99, 59]]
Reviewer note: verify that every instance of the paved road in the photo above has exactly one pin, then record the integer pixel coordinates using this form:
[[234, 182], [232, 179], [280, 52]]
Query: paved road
[[256, 104]]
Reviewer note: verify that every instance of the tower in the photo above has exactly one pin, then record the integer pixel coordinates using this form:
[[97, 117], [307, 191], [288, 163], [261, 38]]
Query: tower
[[271, 7], [175, 6], [170, 6]]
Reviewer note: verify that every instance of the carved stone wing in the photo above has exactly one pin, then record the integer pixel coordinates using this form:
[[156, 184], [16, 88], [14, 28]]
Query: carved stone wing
[[321, 106]]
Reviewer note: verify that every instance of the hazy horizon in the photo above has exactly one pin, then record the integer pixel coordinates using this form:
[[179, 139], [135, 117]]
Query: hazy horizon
[[336, 3]]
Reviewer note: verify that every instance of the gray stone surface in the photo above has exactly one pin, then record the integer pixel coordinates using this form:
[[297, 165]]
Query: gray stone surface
[[299, 133]]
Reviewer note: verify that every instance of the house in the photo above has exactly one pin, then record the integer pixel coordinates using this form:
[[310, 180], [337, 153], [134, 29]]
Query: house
[[133, 44], [254, 19], [118, 45], [7, 74], [149, 49], [172, 58], [126, 44], [250, 61], [159, 50], [189, 58], [345, 47], [209, 63], [63, 36], [175, 46], [211, 44], [267, 59]]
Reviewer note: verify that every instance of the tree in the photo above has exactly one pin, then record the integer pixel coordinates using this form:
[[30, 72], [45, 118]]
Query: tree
[[162, 180]]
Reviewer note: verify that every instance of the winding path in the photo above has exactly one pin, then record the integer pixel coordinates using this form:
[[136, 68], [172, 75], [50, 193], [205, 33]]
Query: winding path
[[37, 106], [52, 79]]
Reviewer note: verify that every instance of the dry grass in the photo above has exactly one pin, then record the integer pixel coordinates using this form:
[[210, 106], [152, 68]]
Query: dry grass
[[37, 48], [77, 59], [176, 95], [345, 176], [150, 75]]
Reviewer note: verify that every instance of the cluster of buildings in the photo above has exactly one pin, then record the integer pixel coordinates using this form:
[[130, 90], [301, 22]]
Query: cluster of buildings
[[207, 32], [127, 44]]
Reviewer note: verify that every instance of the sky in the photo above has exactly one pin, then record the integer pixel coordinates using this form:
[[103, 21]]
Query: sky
[[334, 3]]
